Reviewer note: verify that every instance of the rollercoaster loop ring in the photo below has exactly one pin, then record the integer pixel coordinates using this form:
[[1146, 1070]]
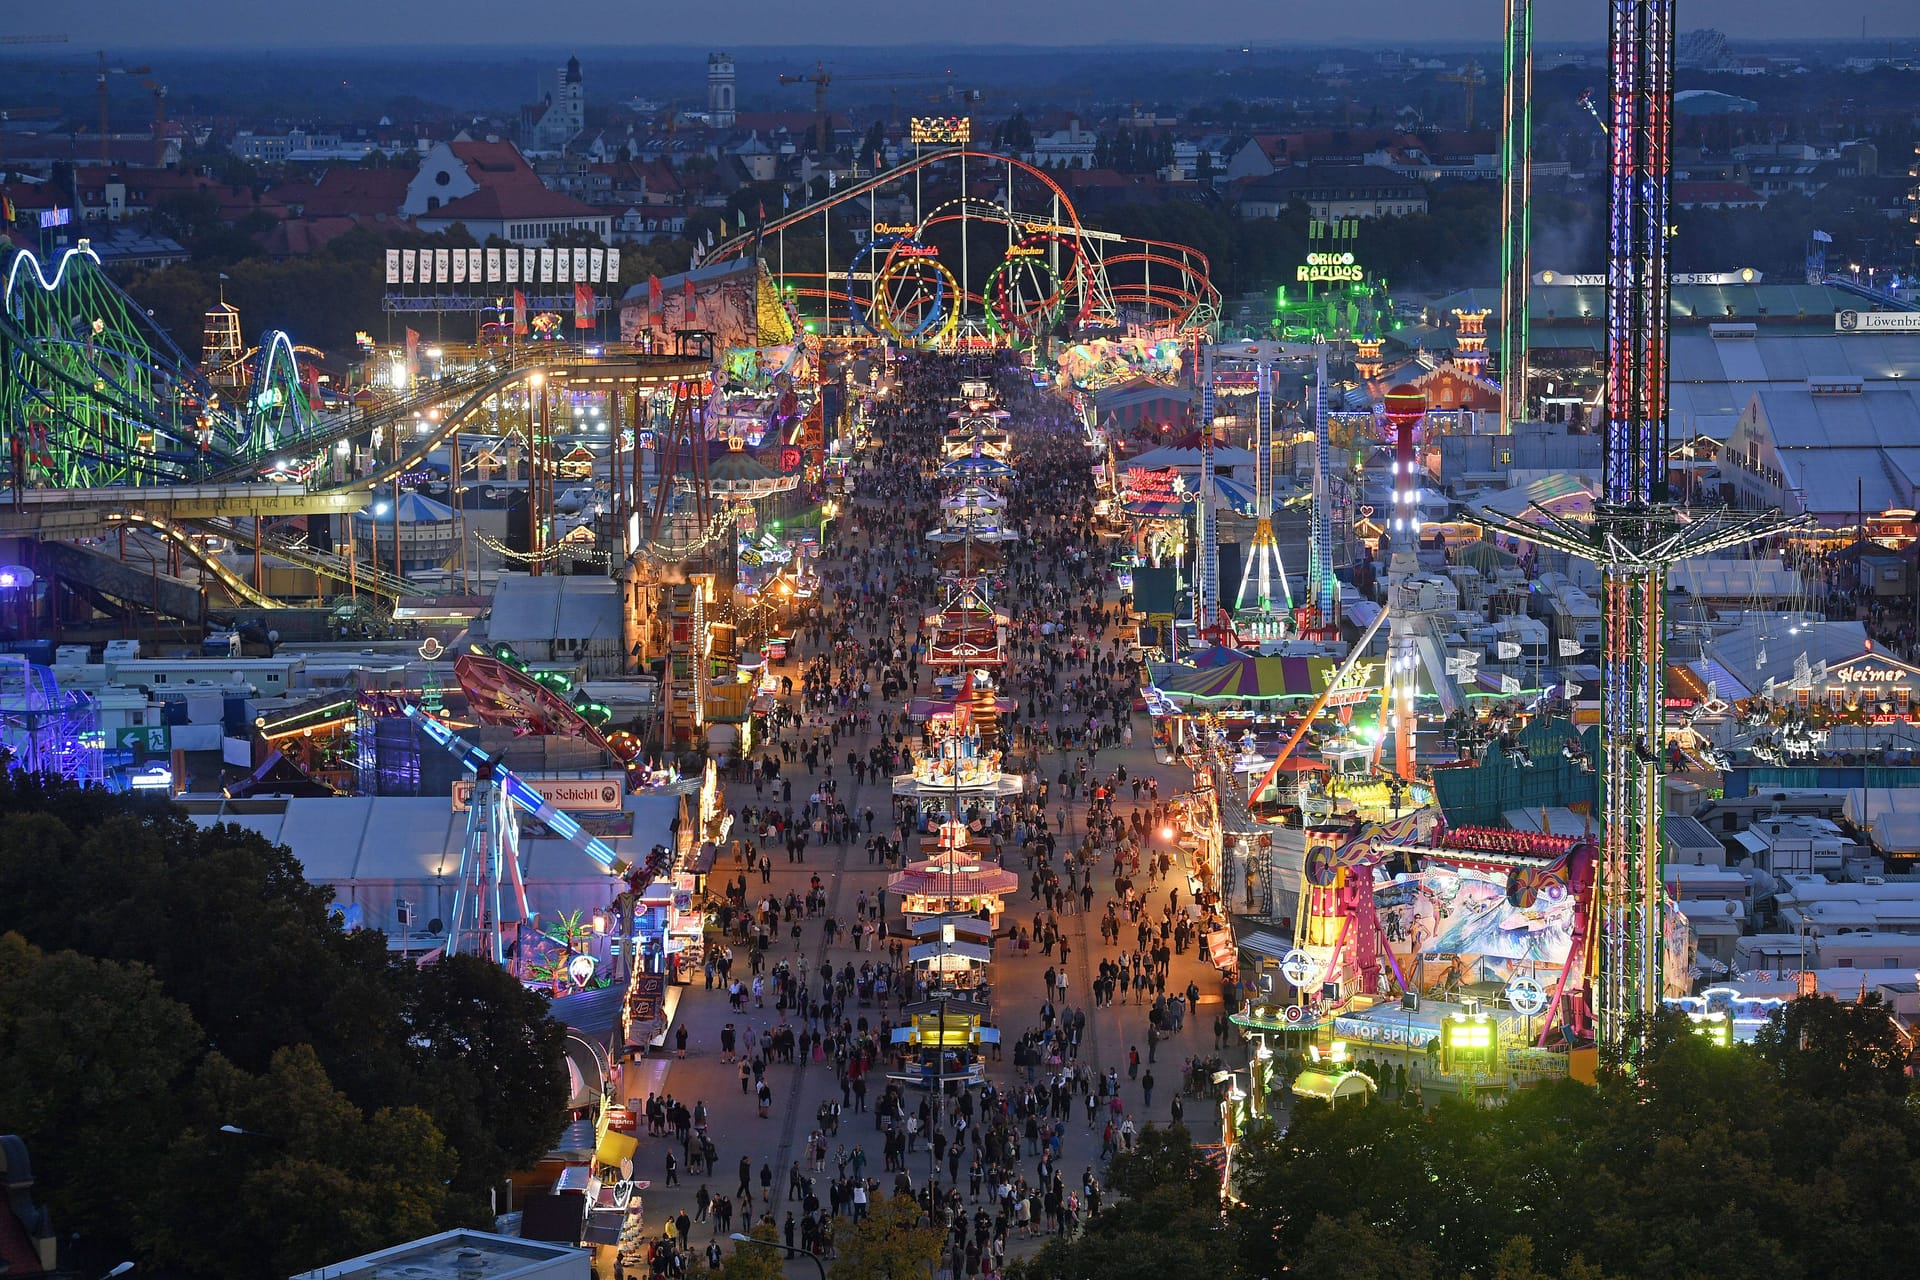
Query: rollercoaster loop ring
[[877, 317], [1026, 250], [940, 319]]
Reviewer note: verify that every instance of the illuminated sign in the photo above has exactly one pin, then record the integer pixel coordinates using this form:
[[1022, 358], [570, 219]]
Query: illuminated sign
[[895, 229], [1326, 268], [1595, 280], [1870, 675], [598, 794], [55, 218], [915, 251], [1876, 321], [942, 131], [1024, 251]]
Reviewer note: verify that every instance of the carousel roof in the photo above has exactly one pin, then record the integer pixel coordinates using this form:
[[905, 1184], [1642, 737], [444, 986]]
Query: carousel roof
[[737, 473], [1233, 674], [955, 874], [975, 464]]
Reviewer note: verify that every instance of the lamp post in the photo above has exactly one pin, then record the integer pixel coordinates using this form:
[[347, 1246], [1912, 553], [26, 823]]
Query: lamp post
[[741, 1238]]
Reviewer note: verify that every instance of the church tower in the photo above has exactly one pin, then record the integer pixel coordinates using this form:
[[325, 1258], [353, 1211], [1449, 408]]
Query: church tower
[[570, 108], [720, 90]]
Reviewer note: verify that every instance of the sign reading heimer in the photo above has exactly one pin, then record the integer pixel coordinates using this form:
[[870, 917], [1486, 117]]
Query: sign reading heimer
[[1876, 321], [577, 794], [1324, 268]]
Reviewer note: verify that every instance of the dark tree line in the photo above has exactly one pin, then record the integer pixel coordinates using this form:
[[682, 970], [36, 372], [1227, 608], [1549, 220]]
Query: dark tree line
[[161, 986], [1798, 1157]]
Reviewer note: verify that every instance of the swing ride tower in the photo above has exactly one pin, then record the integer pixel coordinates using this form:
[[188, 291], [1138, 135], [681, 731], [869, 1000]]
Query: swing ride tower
[[1636, 534]]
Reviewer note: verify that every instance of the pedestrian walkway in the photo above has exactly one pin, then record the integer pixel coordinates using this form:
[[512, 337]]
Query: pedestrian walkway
[[1040, 1148]]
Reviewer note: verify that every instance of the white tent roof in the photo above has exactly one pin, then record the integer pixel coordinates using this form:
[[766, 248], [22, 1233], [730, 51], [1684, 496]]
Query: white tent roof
[[376, 849]]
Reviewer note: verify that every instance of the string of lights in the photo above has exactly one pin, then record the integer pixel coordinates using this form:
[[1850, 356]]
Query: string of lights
[[547, 556]]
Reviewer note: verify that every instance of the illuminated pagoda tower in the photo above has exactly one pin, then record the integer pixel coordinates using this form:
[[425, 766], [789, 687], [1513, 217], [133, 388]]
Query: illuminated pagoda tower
[[1472, 349], [1367, 360], [1635, 535]]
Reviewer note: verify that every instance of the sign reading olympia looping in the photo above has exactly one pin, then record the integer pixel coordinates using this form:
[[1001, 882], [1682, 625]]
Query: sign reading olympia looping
[[1326, 268]]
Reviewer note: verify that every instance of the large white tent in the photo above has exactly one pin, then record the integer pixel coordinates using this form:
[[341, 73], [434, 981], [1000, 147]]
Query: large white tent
[[374, 850]]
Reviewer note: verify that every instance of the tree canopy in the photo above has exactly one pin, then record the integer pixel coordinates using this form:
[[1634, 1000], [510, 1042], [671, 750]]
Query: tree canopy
[[1797, 1156], [161, 985]]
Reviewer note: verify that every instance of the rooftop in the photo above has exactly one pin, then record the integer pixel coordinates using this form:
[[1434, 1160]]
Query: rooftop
[[458, 1255]]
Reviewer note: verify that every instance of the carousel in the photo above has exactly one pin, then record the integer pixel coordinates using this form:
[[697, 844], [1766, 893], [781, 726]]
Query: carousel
[[957, 879], [959, 770]]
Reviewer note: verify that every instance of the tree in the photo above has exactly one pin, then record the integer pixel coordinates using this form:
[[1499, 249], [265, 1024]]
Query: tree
[[1824, 1048], [489, 1066], [91, 1055], [308, 1179], [757, 1262], [223, 927], [889, 1244]]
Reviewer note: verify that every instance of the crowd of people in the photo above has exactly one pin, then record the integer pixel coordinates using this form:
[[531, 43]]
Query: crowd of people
[[812, 1034]]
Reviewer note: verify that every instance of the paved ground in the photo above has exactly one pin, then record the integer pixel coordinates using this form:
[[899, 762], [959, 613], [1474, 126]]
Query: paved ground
[[776, 1141]]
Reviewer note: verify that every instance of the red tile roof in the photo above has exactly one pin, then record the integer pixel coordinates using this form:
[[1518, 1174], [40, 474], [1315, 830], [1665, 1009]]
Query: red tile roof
[[340, 192]]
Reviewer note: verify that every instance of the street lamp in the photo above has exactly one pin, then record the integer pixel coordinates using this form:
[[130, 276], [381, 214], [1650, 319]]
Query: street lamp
[[789, 1250]]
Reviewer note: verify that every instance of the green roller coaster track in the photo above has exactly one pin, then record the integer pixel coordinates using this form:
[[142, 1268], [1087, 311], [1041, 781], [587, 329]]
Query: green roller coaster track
[[95, 395]]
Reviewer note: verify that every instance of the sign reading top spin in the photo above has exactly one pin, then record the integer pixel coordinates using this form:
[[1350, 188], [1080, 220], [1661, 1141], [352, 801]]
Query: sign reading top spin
[[1876, 321]]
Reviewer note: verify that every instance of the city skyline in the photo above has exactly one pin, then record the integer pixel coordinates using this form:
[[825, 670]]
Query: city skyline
[[987, 23]]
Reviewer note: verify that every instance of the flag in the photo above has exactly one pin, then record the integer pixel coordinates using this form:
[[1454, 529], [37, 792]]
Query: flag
[[784, 206], [1570, 691], [656, 298], [413, 343], [7, 210], [583, 306], [876, 162], [519, 313], [833, 179], [763, 211], [1569, 648], [723, 226], [1509, 685], [1507, 650], [1821, 237], [686, 299]]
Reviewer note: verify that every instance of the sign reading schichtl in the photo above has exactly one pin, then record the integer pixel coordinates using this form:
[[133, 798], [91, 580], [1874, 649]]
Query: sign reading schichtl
[[574, 794]]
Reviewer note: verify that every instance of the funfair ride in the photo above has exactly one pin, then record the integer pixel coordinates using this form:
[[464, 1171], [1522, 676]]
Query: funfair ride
[[1636, 534]]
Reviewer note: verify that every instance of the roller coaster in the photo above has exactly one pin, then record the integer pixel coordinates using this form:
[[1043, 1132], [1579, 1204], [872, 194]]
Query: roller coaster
[[1009, 270], [111, 426]]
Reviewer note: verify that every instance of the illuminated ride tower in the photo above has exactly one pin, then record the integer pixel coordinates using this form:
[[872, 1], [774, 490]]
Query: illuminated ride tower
[[1405, 406], [1516, 218], [1635, 534], [1321, 608]]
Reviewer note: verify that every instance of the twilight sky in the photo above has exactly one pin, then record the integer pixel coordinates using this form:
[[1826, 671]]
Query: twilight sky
[[761, 23]]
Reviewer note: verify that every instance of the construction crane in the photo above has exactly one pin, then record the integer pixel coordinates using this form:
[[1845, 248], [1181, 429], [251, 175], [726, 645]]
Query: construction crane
[[1467, 77], [99, 72], [820, 78]]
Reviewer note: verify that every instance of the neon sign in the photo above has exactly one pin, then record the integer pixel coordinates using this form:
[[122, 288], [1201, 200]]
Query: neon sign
[[1870, 675], [916, 251], [894, 229], [1326, 268], [942, 131]]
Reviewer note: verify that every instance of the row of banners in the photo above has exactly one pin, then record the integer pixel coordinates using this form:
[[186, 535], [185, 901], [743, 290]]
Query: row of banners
[[503, 266]]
